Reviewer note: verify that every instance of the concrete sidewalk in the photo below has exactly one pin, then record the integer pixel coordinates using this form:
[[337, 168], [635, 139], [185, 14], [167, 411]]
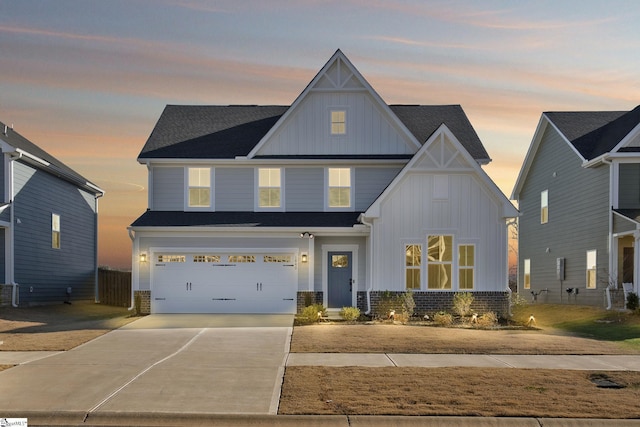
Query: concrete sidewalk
[[572, 362]]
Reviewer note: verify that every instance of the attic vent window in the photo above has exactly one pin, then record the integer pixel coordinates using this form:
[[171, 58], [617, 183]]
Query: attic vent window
[[338, 122]]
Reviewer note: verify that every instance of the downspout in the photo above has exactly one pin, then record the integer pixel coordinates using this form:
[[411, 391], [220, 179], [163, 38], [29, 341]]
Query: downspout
[[369, 263], [134, 270], [15, 291], [507, 224], [610, 283], [96, 291]]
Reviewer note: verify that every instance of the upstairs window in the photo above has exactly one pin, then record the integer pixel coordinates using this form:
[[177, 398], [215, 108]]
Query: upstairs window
[[55, 231], [591, 269], [199, 187], [413, 263], [544, 207], [269, 188], [338, 122], [439, 260], [339, 187]]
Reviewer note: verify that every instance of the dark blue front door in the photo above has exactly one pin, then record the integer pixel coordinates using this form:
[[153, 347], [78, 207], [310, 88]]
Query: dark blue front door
[[340, 282]]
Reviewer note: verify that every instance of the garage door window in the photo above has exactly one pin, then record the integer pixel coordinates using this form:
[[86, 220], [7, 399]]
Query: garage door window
[[172, 258], [206, 258], [277, 258], [242, 258]]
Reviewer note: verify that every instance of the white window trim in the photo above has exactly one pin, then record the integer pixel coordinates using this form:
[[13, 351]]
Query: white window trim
[[343, 109], [257, 206], [212, 192], [403, 280], [595, 269], [352, 190], [59, 230], [472, 268], [542, 207]]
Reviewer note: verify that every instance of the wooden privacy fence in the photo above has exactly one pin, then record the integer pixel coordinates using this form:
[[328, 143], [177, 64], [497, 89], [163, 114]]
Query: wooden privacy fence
[[114, 287]]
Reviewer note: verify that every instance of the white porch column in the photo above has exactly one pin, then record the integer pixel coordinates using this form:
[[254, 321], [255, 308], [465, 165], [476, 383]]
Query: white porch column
[[636, 260]]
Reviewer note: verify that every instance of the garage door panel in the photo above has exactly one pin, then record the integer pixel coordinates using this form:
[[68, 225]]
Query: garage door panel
[[224, 283]]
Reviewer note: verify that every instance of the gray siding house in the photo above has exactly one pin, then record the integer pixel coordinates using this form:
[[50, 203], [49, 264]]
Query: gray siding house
[[48, 227], [579, 198], [334, 199]]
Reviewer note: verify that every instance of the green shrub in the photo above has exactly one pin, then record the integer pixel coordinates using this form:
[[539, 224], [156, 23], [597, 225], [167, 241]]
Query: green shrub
[[488, 319], [443, 318], [350, 314], [408, 304], [633, 303], [462, 303], [312, 313]]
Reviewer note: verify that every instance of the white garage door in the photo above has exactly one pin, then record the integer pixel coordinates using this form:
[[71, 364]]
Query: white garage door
[[224, 283]]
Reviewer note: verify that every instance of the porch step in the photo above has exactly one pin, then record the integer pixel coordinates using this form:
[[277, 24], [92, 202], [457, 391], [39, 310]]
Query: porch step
[[333, 314]]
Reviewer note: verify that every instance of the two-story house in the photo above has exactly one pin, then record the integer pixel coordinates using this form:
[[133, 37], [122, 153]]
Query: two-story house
[[48, 226], [579, 198], [333, 199]]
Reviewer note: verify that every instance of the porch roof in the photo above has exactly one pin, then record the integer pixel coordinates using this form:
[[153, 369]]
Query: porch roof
[[246, 219]]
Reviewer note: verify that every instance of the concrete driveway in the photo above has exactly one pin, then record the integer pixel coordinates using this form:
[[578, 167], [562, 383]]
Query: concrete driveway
[[225, 364]]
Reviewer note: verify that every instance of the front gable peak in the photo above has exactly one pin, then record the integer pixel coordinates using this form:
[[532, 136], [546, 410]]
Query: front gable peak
[[370, 126]]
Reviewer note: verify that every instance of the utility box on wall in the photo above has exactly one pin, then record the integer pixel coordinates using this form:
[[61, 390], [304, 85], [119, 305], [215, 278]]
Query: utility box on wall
[[560, 268]]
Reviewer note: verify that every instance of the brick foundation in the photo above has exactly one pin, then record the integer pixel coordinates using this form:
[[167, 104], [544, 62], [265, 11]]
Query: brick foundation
[[145, 301], [432, 302], [306, 298], [5, 295]]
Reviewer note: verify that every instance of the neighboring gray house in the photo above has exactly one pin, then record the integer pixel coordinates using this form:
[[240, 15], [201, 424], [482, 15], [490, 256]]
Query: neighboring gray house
[[579, 198], [334, 199], [48, 226]]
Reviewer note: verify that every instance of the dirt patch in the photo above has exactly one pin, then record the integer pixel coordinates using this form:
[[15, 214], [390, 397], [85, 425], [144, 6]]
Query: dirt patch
[[57, 327], [381, 338], [457, 391]]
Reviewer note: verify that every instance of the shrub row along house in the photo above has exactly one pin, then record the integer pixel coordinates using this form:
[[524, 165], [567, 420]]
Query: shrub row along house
[[334, 199], [48, 226], [579, 198]]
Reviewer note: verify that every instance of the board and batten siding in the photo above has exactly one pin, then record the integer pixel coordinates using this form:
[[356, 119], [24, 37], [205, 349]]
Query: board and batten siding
[[578, 221], [304, 189], [370, 183], [168, 188], [307, 131], [470, 213], [44, 273], [234, 189]]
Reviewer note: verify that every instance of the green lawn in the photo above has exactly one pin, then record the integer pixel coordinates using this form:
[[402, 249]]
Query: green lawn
[[589, 322]]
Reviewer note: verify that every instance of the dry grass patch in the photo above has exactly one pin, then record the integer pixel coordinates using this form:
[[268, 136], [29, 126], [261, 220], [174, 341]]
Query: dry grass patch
[[380, 338], [57, 327], [457, 391]]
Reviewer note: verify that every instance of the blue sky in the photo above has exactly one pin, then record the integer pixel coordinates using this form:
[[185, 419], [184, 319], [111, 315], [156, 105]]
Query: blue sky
[[87, 79]]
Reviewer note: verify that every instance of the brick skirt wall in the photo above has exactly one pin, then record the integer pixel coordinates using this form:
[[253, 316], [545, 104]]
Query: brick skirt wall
[[433, 302], [5, 294], [307, 298], [145, 301]]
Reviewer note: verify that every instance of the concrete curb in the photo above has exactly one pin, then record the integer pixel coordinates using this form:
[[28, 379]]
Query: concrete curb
[[112, 419]]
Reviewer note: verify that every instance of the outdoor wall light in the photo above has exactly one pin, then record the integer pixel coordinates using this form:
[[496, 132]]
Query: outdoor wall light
[[143, 257], [304, 257], [307, 235]]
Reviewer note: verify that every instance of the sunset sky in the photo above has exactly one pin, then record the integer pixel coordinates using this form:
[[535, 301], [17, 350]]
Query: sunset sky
[[86, 80]]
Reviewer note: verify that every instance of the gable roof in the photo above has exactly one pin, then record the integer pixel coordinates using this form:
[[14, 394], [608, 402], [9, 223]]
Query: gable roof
[[590, 134], [226, 132], [594, 133], [39, 157]]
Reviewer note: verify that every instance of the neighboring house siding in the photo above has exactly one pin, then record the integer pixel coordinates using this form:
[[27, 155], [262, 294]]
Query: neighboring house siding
[[629, 186], [623, 225], [234, 189], [304, 189], [410, 213], [44, 273], [168, 189], [578, 222], [307, 132], [370, 182], [3, 269]]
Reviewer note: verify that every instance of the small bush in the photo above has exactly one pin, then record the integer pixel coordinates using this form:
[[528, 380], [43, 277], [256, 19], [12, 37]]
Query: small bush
[[311, 314], [443, 318], [408, 305], [488, 319], [350, 314], [462, 303], [518, 301], [633, 302]]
